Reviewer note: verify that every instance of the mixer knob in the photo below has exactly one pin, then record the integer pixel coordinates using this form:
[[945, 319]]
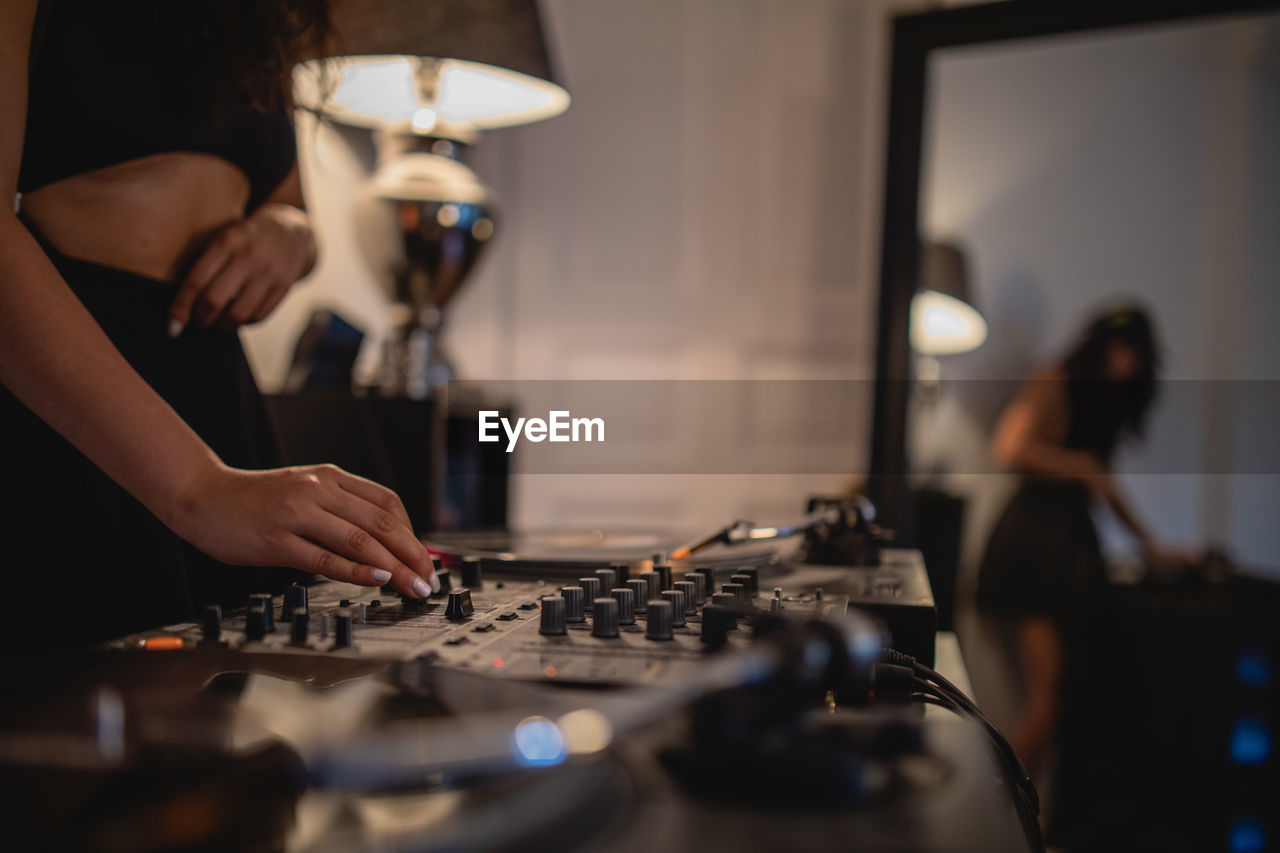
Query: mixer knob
[[552, 616], [686, 587], [298, 627], [608, 580], [256, 617], [604, 622], [342, 632], [709, 578], [265, 602], [446, 582], [639, 592], [739, 593], [459, 606], [572, 596], [590, 591], [295, 598], [211, 625], [676, 597], [658, 624], [663, 575], [727, 600], [699, 582], [754, 587], [775, 605], [655, 584], [472, 576], [626, 604], [362, 613], [748, 583], [717, 622]]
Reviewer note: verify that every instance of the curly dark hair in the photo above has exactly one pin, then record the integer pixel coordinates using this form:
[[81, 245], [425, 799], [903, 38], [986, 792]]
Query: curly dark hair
[[1103, 410]]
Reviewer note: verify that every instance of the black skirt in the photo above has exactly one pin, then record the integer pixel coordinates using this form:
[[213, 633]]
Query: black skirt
[[1043, 553], [85, 560]]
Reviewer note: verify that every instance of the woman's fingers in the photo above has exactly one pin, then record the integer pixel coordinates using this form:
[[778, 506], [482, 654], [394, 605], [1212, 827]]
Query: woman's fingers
[[322, 561], [389, 530], [355, 544], [249, 302], [375, 494], [229, 282]]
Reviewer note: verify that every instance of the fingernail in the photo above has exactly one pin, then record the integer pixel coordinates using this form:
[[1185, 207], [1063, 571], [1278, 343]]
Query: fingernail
[[421, 588], [381, 575], [435, 582], [175, 328]]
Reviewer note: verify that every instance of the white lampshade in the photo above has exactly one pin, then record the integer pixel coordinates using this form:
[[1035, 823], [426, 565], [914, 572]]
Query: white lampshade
[[943, 322]]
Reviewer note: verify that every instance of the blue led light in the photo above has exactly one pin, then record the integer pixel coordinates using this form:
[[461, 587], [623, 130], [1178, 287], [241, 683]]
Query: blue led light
[[538, 743], [1253, 669], [1250, 741], [1246, 836]]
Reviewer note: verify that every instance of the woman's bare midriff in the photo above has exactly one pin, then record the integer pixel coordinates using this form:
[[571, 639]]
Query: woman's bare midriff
[[150, 216]]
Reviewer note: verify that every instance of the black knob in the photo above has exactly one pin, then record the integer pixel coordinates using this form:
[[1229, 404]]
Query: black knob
[[655, 584], [256, 617], [717, 622], [626, 604], [709, 576], [459, 606], [472, 576], [775, 604], [267, 604], [573, 611], [552, 616], [754, 574], [664, 576], [676, 597], [658, 623], [699, 582], [608, 580], [211, 625], [690, 603], [748, 583], [446, 582], [740, 601], [590, 591], [604, 617], [295, 598], [639, 593], [343, 631], [727, 600], [298, 627]]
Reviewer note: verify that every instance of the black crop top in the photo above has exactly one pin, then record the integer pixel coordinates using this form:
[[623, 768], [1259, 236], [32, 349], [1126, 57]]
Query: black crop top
[[111, 82]]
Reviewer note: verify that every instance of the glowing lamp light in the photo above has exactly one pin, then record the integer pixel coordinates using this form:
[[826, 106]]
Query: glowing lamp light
[[943, 320]]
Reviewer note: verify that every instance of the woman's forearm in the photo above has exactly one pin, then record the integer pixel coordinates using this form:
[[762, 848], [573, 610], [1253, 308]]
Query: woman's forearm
[[57, 360]]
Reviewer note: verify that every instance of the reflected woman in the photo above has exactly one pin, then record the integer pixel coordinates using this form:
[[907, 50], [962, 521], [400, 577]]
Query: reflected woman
[[1060, 434]]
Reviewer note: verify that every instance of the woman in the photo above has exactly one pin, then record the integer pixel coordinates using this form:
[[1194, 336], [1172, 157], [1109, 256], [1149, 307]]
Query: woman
[[1060, 433], [160, 209]]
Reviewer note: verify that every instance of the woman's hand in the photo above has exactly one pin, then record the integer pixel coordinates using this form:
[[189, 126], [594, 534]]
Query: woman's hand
[[246, 270], [316, 518]]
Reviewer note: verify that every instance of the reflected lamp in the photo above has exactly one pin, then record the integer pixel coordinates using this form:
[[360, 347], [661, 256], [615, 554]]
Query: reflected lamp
[[943, 318]]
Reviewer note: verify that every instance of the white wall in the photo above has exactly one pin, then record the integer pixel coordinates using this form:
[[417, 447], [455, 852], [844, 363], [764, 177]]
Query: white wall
[[708, 208], [1142, 163]]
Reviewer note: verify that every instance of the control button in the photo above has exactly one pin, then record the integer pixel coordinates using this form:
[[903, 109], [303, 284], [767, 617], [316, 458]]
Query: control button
[[459, 606], [690, 603], [298, 627], [508, 616], [753, 588], [664, 575], [655, 585], [257, 616], [604, 621], [626, 604], [552, 616], [456, 641], [748, 583], [658, 622], [608, 580], [529, 605], [162, 644], [639, 593], [728, 601], [717, 621], [211, 625], [590, 591], [482, 629], [739, 593], [699, 582], [775, 605], [676, 597], [472, 576], [362, 613], [295, 598], [817, 594], [267, 604], [326, 623], [709, 578], [377, 602], [573, 612], [343, 632], [446, 582], [346, 602]]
